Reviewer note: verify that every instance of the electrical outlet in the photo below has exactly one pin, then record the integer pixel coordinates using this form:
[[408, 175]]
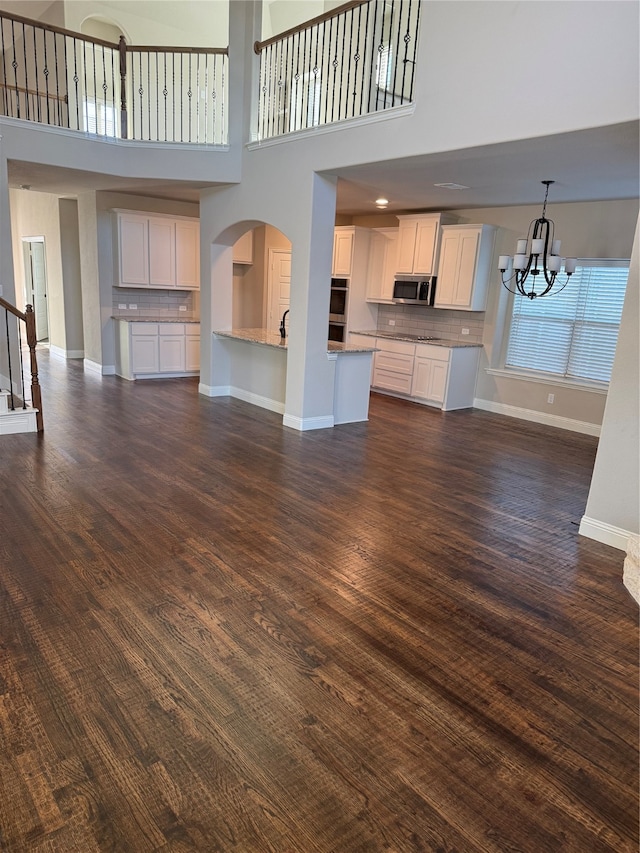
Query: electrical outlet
[[465, 331], [122, 306], [182, 307], [551, 398], [133, 307], [392, 322]]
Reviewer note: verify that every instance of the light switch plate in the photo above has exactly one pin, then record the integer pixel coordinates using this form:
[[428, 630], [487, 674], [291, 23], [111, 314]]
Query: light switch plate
[[122, 306], [182, 307], [133, 307]]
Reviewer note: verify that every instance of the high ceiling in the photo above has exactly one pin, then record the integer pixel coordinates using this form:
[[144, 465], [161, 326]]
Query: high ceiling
[[589, 165]]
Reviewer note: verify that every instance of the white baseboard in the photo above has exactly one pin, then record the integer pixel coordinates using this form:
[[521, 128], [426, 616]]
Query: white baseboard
[[100, 369], [537, 417], [214, 390], [257, 400], [304, 424], [58, 352], [617, 537]]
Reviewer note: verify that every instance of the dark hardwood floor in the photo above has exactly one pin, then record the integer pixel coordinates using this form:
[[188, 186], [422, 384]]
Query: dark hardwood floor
[[218, 634]]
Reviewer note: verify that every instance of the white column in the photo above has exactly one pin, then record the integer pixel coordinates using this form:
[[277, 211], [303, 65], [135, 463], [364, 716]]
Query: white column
[[310, 374]]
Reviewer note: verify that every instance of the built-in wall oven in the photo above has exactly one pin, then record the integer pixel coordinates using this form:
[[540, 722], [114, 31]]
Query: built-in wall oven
[[338, 303]]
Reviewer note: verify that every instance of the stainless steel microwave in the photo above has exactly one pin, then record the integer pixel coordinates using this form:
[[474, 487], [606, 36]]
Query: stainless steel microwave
[[415, 292]]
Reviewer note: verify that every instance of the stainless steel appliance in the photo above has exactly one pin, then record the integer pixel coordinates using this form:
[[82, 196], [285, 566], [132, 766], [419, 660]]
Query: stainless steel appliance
[[338, 302], [415, 291]]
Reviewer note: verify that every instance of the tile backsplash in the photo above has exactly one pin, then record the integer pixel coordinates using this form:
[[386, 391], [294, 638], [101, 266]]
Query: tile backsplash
[[439, 322], [155, 303]]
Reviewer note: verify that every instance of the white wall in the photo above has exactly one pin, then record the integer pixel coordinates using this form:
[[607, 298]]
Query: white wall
[[613, 507], [186, 23], [37, 215]]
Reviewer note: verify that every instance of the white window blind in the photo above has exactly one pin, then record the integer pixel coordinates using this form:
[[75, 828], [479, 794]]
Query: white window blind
[[574, 333], [100, 118]]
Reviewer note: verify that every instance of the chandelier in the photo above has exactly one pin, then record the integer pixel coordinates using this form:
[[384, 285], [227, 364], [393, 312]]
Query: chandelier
[[537, 260]]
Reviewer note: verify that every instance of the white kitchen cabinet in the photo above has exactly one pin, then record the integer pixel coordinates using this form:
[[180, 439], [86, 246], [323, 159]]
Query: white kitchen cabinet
[[439, 376], [171, 348], [162, 252], [342, 251], [430, 373], [157, 251], [187, 254], [192, 347], [464, 268], [383, 261], [243, 249], [133, 250], [144, 348], [419, 243], [393, 366], [154, 350]]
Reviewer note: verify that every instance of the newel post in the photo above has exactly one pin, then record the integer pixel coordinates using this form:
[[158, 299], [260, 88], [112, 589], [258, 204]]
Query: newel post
[[36, 397], [122, 47]]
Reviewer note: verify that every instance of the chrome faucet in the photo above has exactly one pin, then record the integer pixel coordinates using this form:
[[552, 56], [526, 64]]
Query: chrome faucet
[[283, 328]]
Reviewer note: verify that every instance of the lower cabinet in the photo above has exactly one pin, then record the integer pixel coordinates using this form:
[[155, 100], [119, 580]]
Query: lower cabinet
[[439, 376], [153, 350], [393, 366], [430, 373]]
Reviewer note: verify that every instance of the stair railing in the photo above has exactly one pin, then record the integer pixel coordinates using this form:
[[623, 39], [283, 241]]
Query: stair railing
[[357, 59], [153, 94], [15, 377]]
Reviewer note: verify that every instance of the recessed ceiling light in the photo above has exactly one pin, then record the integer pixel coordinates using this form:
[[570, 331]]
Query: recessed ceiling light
[[382, 202], [450, 186]]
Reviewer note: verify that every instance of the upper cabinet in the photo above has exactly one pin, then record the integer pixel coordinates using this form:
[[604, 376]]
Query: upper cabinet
[[342, 251], [418, 243], [158, 251], [243, 249], [383, 263], [465, 267]]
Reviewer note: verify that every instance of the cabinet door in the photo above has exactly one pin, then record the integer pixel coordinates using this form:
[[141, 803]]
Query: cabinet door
[[406, 245], [466, 271], [342, 253], [446, 284], [390, 265], [377, 255], [144, 354], [243, 249], [187, 255], [424, 254], [162, 262], [437, 386], [421, 378], [133, 243], [192, 352], [171, 353]]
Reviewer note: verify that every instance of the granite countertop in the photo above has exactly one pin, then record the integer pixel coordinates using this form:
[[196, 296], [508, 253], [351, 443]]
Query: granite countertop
[[164, 319], [417, 339], [264, 337]]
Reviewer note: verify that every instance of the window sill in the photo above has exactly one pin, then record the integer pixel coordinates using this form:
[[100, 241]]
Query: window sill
[[549, 379]]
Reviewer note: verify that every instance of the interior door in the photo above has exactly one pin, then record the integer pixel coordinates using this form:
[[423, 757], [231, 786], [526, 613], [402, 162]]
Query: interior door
[[36, 285], [279, 286]]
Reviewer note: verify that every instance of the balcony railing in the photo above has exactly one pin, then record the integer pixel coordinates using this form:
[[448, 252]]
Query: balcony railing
[[354, 61], [155, 94]]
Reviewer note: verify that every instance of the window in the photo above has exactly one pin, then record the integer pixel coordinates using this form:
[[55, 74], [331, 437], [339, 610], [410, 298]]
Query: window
[[573, 334], [100, 118]]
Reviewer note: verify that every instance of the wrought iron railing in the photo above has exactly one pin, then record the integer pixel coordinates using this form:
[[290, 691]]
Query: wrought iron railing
[[353, 61], [17, 327], [155, 94]]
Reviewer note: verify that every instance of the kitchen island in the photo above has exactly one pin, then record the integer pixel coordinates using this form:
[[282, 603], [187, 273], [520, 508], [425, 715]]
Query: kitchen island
[[258, 371]]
